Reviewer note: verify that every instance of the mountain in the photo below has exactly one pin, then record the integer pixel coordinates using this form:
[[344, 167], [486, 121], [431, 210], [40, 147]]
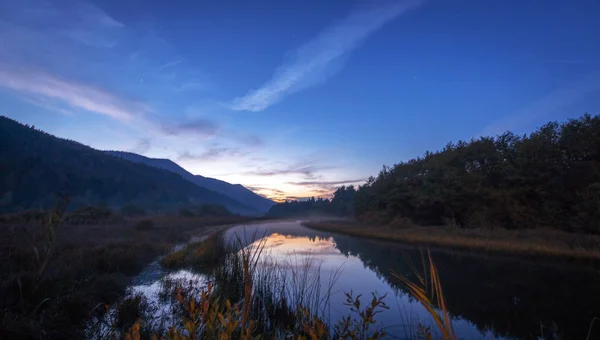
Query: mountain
[[35, 166], [235, 191]]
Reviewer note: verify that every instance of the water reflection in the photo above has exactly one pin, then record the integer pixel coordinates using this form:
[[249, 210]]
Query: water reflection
[[287, 242], [513, 298], [488, 298]]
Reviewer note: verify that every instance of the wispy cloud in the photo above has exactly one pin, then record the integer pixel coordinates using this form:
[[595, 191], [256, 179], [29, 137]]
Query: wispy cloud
[[211, 154], [79, 21], [547, 107], [199, 127], [270, 193], [308, 171], [319, 58], [553, 61], [142, 146], [326, 188], [251, 141], [48, 105], [328, 183], [172, 63], [75, 94]]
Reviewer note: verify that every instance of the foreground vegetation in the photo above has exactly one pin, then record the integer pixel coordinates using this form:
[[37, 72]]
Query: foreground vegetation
[[533, 243], [248, 296], [59, 269]]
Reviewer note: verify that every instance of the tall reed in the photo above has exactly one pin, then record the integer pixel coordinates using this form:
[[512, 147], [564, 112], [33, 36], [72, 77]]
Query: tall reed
[[428, 291]]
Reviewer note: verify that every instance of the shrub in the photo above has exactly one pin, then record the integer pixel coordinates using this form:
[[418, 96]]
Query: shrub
[[92, 215], [130, 310]]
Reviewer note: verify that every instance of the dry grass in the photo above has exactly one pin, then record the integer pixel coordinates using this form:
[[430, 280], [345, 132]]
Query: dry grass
[[428, 291], [257, 309], [545, 243], [89, 265]]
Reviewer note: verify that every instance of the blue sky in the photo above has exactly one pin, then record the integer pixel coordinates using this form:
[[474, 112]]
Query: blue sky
[[292, 98]]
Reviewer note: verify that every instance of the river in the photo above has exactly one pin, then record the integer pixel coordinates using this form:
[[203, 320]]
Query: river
[[488, 297]]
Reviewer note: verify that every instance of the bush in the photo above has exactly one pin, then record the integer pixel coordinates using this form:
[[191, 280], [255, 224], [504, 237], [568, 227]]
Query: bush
[[130, 310], [92, 215], [144, 225]]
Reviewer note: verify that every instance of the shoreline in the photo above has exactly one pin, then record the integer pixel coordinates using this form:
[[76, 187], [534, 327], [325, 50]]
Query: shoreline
[[538, 244]]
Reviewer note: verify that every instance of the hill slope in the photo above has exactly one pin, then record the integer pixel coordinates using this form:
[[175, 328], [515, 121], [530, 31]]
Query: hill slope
[[235, 191], [35, 166]]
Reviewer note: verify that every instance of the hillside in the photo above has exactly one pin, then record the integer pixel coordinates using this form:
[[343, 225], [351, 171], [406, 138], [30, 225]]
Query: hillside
[[35, 166], [235, 191]]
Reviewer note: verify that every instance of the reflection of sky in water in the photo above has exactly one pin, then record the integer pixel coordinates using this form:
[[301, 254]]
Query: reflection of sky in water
[[290, 244]]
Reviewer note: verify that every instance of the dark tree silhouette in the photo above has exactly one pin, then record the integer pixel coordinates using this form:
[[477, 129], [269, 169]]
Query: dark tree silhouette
[[550, 178]]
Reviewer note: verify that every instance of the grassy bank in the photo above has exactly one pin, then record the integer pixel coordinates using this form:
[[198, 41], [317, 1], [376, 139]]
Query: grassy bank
[[56, 274], [536, 243]]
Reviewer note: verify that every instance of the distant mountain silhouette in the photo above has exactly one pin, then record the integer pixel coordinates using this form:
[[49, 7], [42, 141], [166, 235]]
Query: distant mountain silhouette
[[235, 191], [35, 166]]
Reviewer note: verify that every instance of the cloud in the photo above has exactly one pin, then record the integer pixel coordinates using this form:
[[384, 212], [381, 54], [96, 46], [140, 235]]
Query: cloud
[[48, 105], [75, 94], [309, 171], [251, 141], [320, 58], [142, 146], [212, 153], [328, 183], [270, 193], [79, 21], [199, 126], [553, 61], [260, 188], [556, 102], [170, 64], [326, 188]]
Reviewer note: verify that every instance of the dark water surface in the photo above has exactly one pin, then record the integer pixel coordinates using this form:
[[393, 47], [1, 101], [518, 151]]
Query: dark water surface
[[489, 298]]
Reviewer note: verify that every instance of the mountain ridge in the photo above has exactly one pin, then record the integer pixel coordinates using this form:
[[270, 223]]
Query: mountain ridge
[[35, 166], [235, 191]]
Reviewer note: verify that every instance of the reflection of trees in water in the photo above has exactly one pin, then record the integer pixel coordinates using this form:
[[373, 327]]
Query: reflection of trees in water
[[507, 296]]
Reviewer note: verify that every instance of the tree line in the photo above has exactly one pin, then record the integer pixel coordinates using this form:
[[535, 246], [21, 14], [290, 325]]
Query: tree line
[[342, 204], [547, 179]]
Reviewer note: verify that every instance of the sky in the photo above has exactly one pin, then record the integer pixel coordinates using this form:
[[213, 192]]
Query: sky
[[293, 98]]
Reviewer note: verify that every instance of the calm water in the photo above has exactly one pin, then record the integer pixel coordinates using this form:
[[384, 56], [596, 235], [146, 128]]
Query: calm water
[[488, 298]]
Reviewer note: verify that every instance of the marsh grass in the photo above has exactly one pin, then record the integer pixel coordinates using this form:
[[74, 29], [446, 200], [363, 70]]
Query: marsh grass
[[251, 295], [201, 256], [428, 292], [55, 276], [534, 243]]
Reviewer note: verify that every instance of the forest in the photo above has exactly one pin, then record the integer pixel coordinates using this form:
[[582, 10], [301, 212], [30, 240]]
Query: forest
[[549, 178]]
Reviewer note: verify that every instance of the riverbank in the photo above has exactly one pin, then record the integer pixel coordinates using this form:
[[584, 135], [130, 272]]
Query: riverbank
[[530, 243], [88, 267]]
